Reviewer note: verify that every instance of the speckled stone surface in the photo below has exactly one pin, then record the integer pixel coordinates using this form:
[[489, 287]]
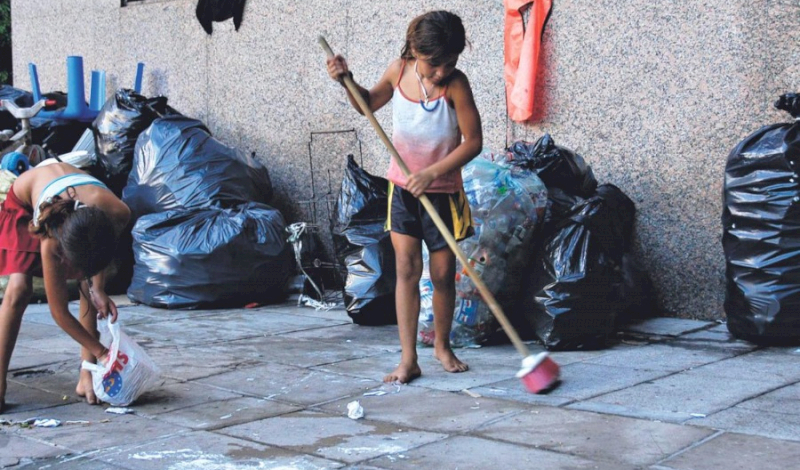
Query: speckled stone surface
[[652, 94]]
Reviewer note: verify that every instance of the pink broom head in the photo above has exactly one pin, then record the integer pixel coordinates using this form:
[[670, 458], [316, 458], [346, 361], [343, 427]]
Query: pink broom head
[[539, 373]]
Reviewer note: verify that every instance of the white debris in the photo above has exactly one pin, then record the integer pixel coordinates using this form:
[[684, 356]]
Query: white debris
[[377, 393], [47, 423], [355, 410], [118, 410]]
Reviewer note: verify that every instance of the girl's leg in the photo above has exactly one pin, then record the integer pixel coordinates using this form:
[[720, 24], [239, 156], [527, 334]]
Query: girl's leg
[[443, 273], [408, 254], [88, 318], [15, 300]]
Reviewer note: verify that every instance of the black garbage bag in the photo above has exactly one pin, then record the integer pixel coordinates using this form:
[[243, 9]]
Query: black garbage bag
[[556, 166], [210, 258], [761, 232], [116, 128], [576, 279], [364, 247], [19, 97], [178, 165]]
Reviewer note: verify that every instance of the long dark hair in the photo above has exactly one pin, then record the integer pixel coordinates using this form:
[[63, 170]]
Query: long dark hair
[[437, 35], [85, 234]]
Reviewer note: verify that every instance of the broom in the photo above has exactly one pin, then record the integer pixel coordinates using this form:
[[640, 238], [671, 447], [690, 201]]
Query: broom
[[539, 372]]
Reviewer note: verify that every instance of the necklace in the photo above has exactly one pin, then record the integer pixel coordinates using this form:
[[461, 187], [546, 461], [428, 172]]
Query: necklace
[[424, 90]]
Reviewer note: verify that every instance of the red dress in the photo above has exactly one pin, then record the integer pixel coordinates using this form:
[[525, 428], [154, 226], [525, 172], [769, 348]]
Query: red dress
[[19, 249]]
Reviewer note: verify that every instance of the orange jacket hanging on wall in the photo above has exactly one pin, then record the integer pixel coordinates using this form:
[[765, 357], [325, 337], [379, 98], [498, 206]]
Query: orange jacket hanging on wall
[[522, 54]]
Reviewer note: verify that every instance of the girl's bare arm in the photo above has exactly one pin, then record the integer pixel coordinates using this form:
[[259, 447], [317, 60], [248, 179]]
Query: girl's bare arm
[[55, 285]]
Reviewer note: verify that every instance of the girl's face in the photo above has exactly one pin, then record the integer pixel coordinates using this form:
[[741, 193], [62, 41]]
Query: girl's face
[[435, 72]]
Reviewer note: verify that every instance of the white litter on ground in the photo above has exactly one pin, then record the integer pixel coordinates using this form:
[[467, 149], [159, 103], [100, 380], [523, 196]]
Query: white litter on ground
[[118, 410], [355, 410]]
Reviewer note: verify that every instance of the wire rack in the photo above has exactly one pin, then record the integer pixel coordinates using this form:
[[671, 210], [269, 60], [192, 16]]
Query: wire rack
[[326, 167]]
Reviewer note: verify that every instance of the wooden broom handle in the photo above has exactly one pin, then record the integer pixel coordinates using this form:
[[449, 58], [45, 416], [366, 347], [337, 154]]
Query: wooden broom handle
[[437, 220]]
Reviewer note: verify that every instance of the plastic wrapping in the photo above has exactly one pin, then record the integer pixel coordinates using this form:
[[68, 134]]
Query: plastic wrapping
[[116, 129], [210, 257], [364, 247], [127, 373], [574, 295], [507, 206], [178, 165], [761, 232]]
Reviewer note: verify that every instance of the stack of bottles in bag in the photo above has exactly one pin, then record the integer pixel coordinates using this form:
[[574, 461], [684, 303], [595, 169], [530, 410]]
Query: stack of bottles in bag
[[564, 275], [507, 206]]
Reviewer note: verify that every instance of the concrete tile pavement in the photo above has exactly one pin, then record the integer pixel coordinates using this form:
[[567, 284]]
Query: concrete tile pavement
[[268, 388]]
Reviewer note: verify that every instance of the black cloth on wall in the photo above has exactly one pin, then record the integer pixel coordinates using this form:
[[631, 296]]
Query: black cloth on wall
[[219, 10]]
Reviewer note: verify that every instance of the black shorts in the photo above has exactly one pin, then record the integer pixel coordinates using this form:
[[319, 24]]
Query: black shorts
[[408, 216]]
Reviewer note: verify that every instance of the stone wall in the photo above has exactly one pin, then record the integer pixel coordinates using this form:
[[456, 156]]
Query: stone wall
[[653, 94]]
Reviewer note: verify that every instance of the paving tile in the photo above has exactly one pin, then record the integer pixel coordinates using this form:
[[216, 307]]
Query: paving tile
[[26, 357], [662, 357], [209, 451], [783, 400], [174, 396], [665, 326], [579, 381], [293, 352], [677, 397], [103, 431], [11, 445], [58, 378], [766, 423], [289, 384], [337, 313], [472, 452], [737, 451], [430, 410], [71, 462], [594, 436], [188, 363], [353, 335], [484, 369], [22, 398], [334, 437], [185, 332], [224, 413], [757, 365]]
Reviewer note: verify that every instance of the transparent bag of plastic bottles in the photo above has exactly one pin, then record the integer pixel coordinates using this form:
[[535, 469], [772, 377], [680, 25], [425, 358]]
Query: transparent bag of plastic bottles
[[507, 204]]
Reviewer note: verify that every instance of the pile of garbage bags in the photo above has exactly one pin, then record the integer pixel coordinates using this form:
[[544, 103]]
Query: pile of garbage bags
[[761, 232], [552, 246], [204, 235]]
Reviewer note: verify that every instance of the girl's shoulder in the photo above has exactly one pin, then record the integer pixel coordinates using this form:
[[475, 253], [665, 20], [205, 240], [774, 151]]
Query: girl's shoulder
[[394, 70], [458, 85]]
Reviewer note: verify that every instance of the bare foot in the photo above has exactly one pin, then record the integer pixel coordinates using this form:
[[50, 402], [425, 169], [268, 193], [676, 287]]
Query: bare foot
[[85, 388], [404, 373], [449, 360]]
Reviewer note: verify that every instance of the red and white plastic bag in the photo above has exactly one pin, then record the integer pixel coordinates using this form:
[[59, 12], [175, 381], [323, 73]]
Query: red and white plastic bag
[[127, 373]]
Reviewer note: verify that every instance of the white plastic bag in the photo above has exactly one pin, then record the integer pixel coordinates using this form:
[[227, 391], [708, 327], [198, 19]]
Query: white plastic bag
[[127, 374]]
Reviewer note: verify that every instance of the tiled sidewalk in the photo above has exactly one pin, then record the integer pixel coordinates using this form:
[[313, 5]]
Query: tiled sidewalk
[[268, 388]]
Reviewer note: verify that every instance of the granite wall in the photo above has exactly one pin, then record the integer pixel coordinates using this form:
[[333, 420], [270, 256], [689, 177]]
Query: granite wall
[[653, 94]]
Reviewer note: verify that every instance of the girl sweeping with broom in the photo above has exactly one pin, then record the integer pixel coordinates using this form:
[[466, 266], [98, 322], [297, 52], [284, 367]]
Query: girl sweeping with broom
[[59, 223], [436, 130]]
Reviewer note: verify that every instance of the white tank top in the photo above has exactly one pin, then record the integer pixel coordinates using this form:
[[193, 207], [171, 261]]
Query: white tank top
[[58, 186], [423, 135]]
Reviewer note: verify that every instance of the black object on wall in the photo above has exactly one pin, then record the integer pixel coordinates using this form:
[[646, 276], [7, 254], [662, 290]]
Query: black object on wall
[[219, 10]]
